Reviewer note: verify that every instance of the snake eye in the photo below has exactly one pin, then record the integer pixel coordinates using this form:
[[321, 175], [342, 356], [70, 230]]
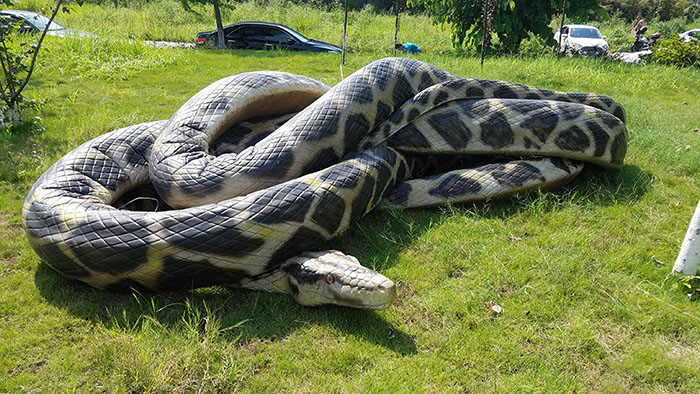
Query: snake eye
[[330, 279]]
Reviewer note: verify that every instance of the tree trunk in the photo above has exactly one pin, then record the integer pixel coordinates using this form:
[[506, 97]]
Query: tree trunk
[[14, 113], [221, 41], [689, 255]]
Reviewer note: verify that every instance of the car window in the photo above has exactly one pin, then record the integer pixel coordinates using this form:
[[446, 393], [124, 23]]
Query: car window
[[584, 32], [40, 21], [297, 35], [565, 30], [237, 34], [255, 32], [275, 35]]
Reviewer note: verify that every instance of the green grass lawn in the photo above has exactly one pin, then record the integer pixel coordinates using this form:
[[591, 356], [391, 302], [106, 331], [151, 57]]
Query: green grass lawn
[[584, 306]]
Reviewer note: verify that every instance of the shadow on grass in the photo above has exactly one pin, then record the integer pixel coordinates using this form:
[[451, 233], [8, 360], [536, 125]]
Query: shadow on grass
[[244, 315], [21, 150], [376, 240]]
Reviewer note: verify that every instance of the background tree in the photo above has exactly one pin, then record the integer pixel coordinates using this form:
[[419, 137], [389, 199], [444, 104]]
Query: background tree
[[220, 39], [661, 9], [512, 20]]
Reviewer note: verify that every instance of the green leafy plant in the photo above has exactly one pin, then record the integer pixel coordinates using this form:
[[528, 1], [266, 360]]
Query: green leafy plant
[[17, 60], [690, 285], [534, 46], [676, 52]]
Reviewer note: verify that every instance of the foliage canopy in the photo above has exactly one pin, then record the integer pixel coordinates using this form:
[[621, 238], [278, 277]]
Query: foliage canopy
[[512, 21], [661, 9]]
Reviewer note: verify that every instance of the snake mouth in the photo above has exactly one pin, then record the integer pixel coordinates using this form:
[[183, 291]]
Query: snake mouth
[[331, 277], [371, 295]]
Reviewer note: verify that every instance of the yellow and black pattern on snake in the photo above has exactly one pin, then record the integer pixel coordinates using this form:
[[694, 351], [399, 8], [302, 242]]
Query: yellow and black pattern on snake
[[489, 180], [318, 136], [466, 89], [73, 227], [305, 196], [516, 127], [247, 133]]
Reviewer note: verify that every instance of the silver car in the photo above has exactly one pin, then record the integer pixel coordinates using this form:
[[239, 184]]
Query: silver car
[[582, 40], [690, 35], [31, 22]]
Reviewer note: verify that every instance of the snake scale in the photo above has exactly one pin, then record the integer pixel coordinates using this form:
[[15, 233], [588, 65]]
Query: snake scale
[[257, 169]]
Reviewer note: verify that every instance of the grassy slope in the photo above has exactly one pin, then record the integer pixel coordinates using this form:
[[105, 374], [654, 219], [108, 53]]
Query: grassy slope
[[585, 308]]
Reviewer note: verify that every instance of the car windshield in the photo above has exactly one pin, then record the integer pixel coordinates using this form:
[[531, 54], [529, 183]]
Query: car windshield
[[585, 32], [40, 22], [296, 34]]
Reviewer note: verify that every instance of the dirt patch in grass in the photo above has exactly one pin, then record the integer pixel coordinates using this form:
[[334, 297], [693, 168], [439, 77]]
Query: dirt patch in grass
[[506, 289]]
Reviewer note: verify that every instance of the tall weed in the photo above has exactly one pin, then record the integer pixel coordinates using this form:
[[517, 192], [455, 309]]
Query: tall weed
[[105, 58]]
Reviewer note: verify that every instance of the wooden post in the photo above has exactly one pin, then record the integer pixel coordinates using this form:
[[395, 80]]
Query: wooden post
[[396, 26], [485, 16], [345, 29], [689, 255], [561, 25]]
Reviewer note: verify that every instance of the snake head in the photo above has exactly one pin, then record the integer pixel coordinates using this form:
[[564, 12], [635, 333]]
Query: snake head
[[331, 277]]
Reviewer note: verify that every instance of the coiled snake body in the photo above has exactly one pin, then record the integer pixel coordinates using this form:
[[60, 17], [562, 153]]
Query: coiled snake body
[[259, 168]]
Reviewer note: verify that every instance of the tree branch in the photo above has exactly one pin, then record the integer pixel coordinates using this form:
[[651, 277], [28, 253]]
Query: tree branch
[[8, 77], [36, 52]]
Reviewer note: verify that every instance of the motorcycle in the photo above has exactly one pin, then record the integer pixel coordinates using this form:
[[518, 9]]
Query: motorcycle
[[642, 43]]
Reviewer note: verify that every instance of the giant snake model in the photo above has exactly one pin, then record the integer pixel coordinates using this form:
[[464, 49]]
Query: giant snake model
[[259, 168]]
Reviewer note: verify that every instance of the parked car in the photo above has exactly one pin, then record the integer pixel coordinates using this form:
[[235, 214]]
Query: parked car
[[690, 35], [263, 35], [31, 22], [582, 40]]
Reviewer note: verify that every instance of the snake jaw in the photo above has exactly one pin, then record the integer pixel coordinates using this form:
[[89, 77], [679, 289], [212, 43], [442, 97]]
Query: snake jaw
[[331, 277]]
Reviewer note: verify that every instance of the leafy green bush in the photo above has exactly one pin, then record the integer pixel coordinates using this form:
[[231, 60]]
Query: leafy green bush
[[670, 28], [676, 52], [534, 46]]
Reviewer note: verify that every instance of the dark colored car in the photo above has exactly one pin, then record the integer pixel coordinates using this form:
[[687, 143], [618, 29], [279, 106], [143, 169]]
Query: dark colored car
[[263, 35], [31, 22]]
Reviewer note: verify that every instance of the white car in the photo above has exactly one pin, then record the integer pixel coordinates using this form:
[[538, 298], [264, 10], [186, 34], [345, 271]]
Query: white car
[[31, 22], [581, 40], [690, 35]]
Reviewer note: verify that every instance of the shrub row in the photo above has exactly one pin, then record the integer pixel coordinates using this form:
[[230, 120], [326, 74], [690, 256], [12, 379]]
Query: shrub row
[[676, 52]]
